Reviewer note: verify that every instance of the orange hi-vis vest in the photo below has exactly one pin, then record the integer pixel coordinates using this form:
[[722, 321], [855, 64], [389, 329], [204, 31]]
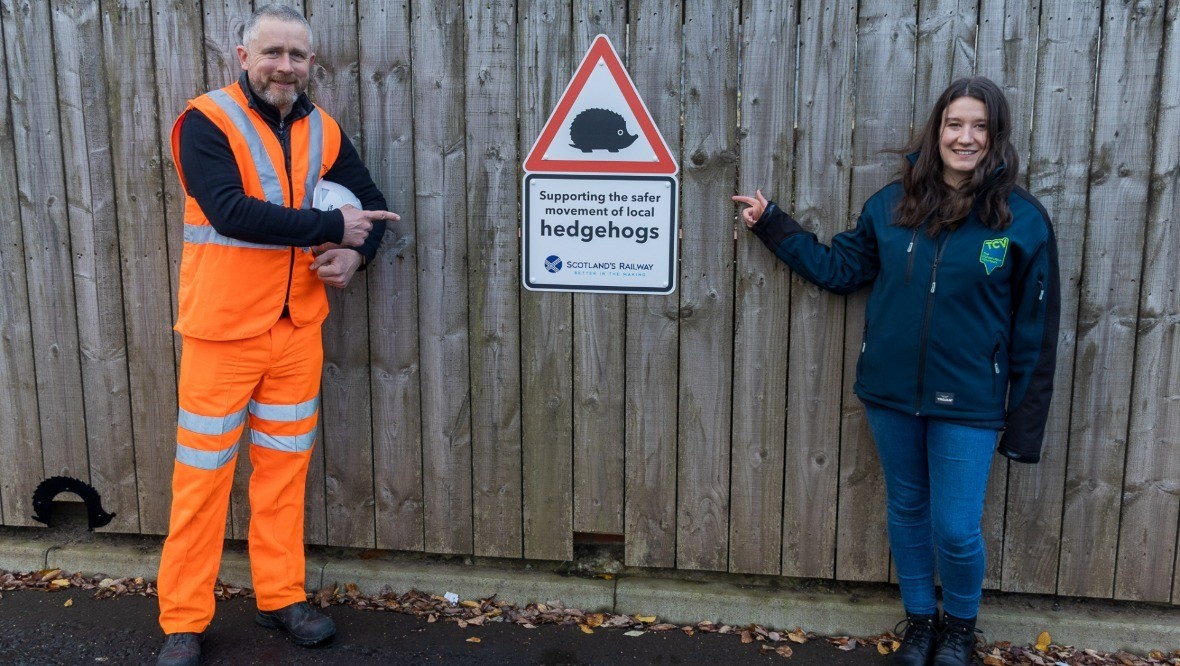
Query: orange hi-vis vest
[[232, 289]]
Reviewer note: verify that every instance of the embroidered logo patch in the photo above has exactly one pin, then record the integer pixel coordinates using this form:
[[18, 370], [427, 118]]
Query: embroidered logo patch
[[944, 398], [994, 252]]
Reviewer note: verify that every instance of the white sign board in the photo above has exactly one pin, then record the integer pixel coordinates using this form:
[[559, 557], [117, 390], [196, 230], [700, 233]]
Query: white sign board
[[605, 234], [600, 194]]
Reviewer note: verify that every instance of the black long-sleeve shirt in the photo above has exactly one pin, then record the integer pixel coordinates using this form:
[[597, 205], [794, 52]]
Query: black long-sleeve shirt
[[211, 177]]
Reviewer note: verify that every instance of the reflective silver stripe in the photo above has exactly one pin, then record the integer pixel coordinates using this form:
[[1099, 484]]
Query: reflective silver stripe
[[210, 425], [203, 234], [288, 443], [285, 412], [209, 460], [271, 185], [315, 155]]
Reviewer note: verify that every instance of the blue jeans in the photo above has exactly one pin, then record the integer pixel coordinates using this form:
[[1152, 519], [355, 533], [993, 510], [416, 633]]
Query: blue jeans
[[935, 479]]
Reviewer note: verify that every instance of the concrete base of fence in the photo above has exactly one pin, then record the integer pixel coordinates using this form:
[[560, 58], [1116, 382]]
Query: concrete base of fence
[[830, 610]]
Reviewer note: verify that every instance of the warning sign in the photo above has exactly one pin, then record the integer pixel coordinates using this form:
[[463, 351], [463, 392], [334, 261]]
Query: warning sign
[[600, 190], [600, 124]]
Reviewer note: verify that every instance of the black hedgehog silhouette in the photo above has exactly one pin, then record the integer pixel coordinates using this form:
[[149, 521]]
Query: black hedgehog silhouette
[[600, 129], [49, 488]]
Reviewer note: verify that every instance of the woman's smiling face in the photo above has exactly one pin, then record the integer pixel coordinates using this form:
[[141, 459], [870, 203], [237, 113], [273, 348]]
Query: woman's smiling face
[[963, 139]]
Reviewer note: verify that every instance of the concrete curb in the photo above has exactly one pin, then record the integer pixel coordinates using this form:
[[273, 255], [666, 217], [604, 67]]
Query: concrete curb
[[848, 611]]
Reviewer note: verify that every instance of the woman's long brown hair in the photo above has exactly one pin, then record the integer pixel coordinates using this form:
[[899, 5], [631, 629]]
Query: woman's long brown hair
[[928, 199]]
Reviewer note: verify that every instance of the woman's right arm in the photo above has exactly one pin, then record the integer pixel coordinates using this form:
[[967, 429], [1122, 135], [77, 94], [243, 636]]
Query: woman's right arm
[[848, 264]]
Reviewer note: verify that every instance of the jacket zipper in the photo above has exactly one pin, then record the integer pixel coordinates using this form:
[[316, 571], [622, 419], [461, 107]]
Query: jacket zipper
[[926, 325], [285, 142], [996, 367], [909, 264]]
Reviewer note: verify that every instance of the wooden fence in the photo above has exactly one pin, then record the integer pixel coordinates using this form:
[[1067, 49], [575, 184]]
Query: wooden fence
[[714, 428]]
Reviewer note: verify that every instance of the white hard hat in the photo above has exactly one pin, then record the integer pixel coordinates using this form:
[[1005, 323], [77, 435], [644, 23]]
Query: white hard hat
[[330, 196]]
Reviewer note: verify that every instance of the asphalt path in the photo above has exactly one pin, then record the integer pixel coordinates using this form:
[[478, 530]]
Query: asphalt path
[[38, 627]]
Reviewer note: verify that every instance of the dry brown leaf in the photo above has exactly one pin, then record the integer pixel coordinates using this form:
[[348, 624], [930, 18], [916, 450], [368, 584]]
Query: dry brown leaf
[[49, 574], [688, 631], [462, 623], [478, 620], [432, 618], [585, 629], [606, 576], [68, 603], [1043, 641], [850, 645], [594, 620], [883, 648], [746, 637], [59, 583], [663, 626], [469, 603], [798, 636], [784, 651], [992, 660], [646, 619], [474, 639]]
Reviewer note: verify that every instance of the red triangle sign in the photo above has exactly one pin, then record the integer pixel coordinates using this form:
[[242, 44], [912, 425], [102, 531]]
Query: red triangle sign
[[600, 124]]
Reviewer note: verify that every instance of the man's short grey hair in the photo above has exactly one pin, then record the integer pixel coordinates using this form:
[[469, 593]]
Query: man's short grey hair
[[274, 11]]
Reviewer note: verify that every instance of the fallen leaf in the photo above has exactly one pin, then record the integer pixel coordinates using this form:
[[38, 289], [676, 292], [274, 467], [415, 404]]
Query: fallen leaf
[[784, 651], [59, 583], [663, 626], [688, 631], [432, 618], [883, 648], [634, 633], [646, 619], [462, 623], [585, 629], [469, 604], [606, 576], [991, 660], [68, 603], [746, 637], [474, 639], [798, 636], [49, 574], [1043, 641]]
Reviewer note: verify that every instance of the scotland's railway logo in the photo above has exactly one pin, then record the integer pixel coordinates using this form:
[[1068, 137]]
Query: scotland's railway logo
[[994, 252]]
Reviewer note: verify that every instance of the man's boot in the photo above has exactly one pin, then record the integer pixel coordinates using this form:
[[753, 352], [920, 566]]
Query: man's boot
[[182, 649], [956, 643], [303, 624]]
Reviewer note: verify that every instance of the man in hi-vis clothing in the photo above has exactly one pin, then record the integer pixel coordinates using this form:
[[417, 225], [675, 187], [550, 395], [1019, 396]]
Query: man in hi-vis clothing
[[252, 300]]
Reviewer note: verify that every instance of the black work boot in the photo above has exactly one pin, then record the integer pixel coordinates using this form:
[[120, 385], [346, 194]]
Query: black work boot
[[956, 643], [917, 643], [305, 625], [180, 650]]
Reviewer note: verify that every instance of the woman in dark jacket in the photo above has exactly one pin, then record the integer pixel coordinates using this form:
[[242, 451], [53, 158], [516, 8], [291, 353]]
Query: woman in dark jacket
[[959, 344]]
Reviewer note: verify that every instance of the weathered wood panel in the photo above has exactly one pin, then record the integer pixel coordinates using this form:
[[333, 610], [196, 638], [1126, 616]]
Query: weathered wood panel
[[1058, 174], [20, 426], [599, 363], [762, 299], [44, 217], [387, 104], [1147, 526], [883, 115], [94, 242], [438, 39], [1120, 175], [346, 405], [546, 63], [653, 322], [945, 48], [827, 36], [708, 178], [147, 300], [493, 276]]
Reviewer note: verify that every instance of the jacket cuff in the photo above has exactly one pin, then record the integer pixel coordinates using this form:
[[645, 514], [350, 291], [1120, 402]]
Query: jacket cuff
[[334, 222], [775, 226], [1023, 450]]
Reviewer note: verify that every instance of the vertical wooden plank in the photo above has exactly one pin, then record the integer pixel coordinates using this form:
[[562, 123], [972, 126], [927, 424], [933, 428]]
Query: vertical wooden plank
[[1120, 174], [653, 322], [20, 427], [1147, 527], [945, 50], [437, 36], [494, 278], [827, 35], [94, 241], [147, 301], [48, 266], [762, 294], [387, 114], [599, 329], [708, 178], [345, 402], [1006, 54], [546, 61], [886, 36], [1058, 176]]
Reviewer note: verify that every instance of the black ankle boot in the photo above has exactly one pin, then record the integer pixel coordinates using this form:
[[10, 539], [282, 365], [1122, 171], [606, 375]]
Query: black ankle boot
[[956, 642], [917, 643]]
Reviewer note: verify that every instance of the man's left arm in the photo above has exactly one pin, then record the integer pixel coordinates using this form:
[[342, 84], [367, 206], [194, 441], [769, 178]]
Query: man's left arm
[[349, 171]]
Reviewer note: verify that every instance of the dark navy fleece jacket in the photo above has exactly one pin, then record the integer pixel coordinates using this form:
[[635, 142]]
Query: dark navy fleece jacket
[[961, 327]]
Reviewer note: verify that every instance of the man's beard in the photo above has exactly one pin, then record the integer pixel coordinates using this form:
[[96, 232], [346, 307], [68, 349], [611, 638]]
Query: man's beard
[[280, 99]]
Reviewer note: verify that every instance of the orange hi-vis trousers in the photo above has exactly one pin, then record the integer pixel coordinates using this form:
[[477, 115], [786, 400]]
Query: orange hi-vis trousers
[[272, 380]]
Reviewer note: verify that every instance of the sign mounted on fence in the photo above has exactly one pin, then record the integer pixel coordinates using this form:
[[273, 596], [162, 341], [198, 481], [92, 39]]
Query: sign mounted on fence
[[600, 189]]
